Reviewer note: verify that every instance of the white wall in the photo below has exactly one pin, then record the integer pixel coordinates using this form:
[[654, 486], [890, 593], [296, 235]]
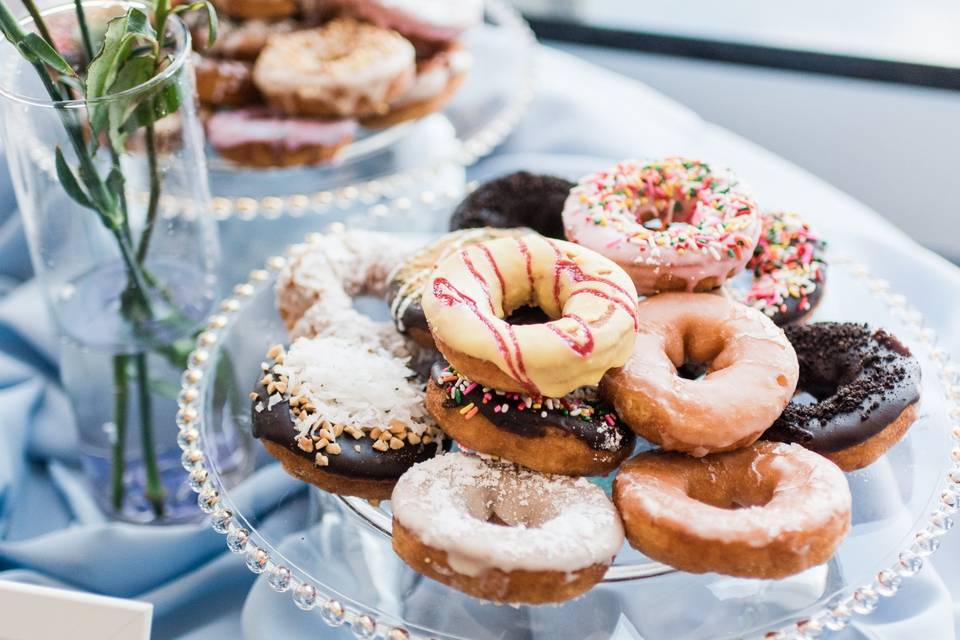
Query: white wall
[[896, 148]]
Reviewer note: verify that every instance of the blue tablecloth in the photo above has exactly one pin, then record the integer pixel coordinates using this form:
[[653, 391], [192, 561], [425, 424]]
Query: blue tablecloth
[[52, 533]]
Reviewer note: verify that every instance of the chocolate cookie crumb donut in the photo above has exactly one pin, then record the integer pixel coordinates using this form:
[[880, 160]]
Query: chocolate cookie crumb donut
[[577, 435], [867, 390], [520, 199], [313, 410], [406, 282]]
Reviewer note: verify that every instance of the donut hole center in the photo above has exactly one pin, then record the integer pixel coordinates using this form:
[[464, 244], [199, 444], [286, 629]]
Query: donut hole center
[[663, 213], [692, 371], [732, 489], [371, 306], [527, 314]]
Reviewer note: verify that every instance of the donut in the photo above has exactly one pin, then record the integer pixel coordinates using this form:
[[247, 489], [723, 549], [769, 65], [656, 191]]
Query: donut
[[751, 374], [520, 199], [224, 83], [258, 9], [408, 279], [343, 415], [258, 137], [866, 387], [430, 20], [239, 40], [590, 303], [788, 267], [673, 225], [768, 511], [577, 435], [503, 533], [340, 70], [439, 75]]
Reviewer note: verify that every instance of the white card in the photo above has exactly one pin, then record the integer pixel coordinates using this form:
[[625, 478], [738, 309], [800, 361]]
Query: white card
[[30, 612]]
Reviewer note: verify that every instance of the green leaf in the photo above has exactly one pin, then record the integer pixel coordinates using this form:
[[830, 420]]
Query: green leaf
[[115, 183], [70, 183], [213, 21], [42, 50], [134, 73]]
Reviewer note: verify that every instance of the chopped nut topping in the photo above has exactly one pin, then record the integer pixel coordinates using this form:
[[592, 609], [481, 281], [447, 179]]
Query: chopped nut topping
[[305, 444], [321, 460]]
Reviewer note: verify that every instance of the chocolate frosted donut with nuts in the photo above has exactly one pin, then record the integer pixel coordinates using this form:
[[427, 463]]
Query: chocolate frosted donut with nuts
[[866, 387], [577, 435], [342, 416], [520, 199]]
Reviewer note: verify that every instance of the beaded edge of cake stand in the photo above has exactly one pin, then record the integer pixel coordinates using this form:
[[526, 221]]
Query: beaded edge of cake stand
[[337, 610]]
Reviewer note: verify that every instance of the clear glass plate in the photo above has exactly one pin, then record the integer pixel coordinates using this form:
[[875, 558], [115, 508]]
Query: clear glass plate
[[335, 555], [482, 113]]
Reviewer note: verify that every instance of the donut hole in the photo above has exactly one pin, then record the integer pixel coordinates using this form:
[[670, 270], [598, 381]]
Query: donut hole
[[527, 314], [728, 490], [692, 371], [372, 306]]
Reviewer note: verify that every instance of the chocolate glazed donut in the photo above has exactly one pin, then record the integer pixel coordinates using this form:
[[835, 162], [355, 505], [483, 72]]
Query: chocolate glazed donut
[[867, 389], [519, 199]]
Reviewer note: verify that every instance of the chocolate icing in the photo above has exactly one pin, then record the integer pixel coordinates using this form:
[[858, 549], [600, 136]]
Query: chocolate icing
[[277, 426], [530, 423], [861, 380], [793, 312], [519, 199]]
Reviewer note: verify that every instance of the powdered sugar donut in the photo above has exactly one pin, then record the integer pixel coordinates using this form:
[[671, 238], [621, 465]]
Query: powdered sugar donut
[[501, 532], [672, 225], [435, 20], [259, 137], [343, 69]]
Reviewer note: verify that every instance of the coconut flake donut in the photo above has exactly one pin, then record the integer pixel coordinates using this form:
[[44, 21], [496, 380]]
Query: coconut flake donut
[[259, 137], [789, 270], [590, 301], [340, 70], [767, 511], [432, 20], [672, 225], [343, 414], [503, 533], [751, 374]]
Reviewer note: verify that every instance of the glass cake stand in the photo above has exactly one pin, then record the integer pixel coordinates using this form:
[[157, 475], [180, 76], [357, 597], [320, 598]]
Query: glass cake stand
[[374, 169], [334, 555]]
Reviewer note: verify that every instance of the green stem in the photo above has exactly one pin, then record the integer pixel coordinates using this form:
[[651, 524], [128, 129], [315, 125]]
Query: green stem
[[38, 21], [154, 201], [84, 29], [154, 490], [120, 422]]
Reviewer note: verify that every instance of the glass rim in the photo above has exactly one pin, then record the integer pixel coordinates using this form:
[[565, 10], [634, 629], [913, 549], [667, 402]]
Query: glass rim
[[174, 24]]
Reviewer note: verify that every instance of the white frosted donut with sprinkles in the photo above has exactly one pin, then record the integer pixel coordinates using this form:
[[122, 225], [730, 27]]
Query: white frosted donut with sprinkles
[[501, 532], [674, 224]]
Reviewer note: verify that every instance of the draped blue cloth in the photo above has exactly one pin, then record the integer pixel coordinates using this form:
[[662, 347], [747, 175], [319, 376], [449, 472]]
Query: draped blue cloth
[[51, 532]]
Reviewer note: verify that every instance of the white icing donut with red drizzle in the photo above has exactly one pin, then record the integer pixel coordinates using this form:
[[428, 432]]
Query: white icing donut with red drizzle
[[591, 302], [672, 225], [434, 20]]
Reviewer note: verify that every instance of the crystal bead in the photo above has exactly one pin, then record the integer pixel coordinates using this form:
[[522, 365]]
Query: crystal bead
[[207, 338], [220, 520], [940, 523], [305, 596], [837, 618], [808, 629], [197, 478], [333, 613], [256, 559], [954, 476], [909, 564], [887, 583], [191, 377], [864, 600], [364, 627], [191, 458], [398, 634], [208, 500], [186, 417], [188, 438], [279, 578], [237, 539], [187, 396], [259, 275], [924, 544], [949, 502]]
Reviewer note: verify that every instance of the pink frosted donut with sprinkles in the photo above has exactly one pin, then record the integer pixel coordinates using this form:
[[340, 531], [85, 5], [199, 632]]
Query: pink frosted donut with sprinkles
[[673, 224], [789, 269]]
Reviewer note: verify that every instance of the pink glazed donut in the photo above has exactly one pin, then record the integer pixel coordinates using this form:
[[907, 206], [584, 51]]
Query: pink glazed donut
[[430, 20], [673, 225]]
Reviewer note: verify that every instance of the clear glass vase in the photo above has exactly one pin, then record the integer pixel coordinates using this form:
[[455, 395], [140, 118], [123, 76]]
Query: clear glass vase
[[129, 265]]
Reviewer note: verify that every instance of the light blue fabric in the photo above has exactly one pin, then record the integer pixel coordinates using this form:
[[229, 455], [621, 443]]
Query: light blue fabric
[[51, 533]]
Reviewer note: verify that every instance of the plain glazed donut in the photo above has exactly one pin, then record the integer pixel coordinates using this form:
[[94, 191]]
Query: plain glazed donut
[[407, 281], [501, 532], [344, 69], [577, 435], [343, 415], [751, 375], [591, 303], [789, 270], [866, 387], [768, 511], [672, 225]]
